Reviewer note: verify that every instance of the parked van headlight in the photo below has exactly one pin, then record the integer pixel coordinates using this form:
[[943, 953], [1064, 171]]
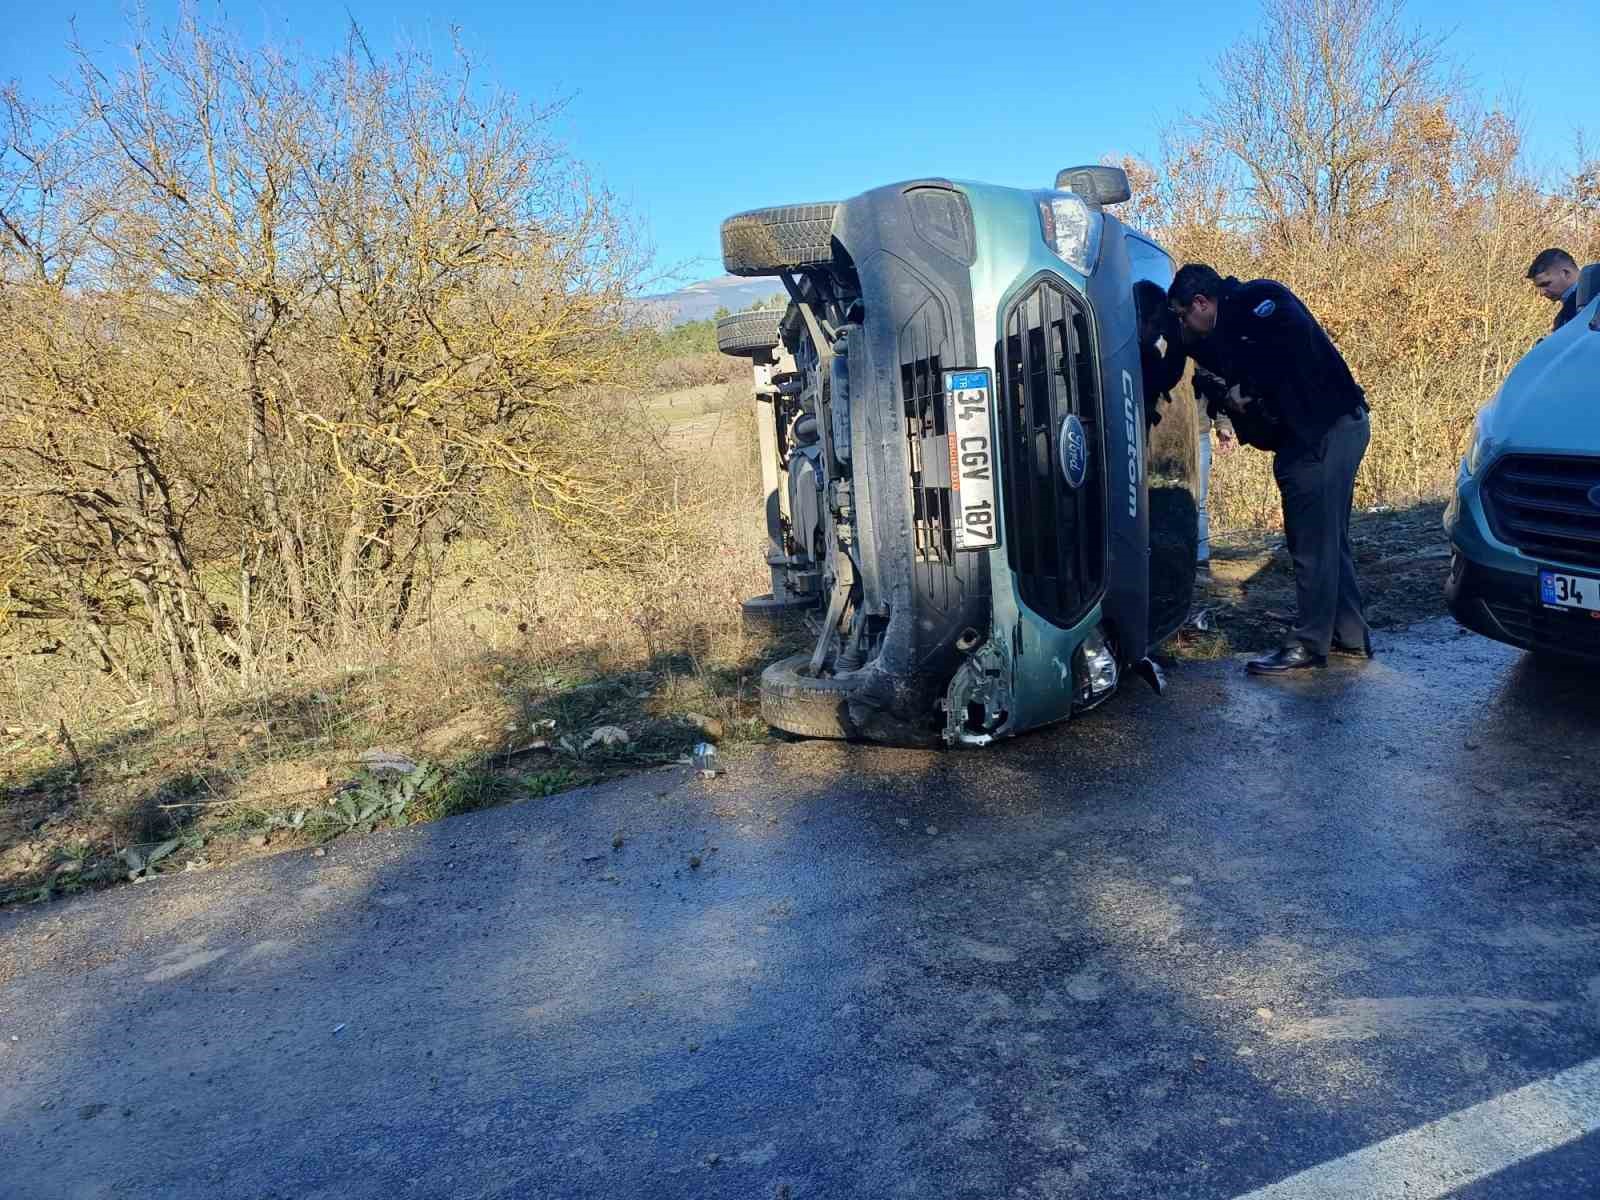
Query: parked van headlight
[[1071, 228], [1481, 449]]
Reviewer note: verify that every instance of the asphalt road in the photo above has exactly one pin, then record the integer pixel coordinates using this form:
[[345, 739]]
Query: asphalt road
[[1252, 938]]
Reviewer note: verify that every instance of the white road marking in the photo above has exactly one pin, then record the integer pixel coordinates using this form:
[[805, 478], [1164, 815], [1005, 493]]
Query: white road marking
[[1433, 1160]]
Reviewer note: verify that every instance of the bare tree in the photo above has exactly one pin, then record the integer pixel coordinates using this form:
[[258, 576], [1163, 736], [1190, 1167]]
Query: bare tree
[[276, 332], [1310, 109]]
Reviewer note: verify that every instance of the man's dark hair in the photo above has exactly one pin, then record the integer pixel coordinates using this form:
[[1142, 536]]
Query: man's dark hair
[[1194, 279], [1552, 259]]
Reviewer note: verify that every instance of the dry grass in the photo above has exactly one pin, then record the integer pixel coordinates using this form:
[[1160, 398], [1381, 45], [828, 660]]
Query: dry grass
[[527, 650]]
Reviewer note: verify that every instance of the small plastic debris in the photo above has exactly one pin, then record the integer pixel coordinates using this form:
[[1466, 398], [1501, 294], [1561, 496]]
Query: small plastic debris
[[706, 761]]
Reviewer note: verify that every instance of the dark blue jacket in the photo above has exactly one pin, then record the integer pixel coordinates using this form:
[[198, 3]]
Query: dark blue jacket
[[1268, 343], [1567, 309]]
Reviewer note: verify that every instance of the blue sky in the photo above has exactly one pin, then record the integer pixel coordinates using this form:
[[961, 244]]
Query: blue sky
[[695, 111]]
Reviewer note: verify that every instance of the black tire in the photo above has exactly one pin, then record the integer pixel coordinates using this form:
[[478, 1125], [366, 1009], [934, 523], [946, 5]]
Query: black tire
[[749, 334], [802, 704], [770, 608], [770, 241]]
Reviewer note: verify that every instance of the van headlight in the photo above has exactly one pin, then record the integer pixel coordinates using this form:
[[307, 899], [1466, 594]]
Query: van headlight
[[1481, 449], [1071, 228], [1094, 669]]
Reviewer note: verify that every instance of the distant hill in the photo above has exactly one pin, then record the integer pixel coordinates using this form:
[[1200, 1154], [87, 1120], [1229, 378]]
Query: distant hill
[[700, 300]]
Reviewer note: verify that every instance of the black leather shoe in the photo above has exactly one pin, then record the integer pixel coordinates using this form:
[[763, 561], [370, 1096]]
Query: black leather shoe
[[1362, 651], [1293, 657]]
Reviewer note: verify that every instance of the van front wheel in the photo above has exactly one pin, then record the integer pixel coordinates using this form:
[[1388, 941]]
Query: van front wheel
[[805, 705], [773, 241]]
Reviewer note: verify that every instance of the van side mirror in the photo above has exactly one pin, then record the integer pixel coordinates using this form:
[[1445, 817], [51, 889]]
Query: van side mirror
[[1588, 284], [1098, 185]]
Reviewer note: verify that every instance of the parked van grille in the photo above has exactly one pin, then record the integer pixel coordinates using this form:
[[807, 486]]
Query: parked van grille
[[1547, 506]]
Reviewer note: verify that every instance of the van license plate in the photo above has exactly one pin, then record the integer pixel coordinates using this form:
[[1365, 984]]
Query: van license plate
[[977, 525], [1569, 591]]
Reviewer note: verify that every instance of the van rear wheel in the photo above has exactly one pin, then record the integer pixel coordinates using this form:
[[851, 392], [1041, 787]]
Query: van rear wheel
[[749, 334]]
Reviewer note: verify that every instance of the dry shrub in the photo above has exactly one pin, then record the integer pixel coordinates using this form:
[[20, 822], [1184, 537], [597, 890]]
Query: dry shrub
[[278, 339]]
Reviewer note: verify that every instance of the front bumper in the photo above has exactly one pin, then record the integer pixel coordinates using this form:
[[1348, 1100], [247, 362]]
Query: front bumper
[[1505, 606], [1493, 589]]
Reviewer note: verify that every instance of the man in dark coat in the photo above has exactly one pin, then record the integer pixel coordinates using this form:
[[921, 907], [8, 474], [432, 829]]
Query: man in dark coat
[[1289, 390], [1554, 275]]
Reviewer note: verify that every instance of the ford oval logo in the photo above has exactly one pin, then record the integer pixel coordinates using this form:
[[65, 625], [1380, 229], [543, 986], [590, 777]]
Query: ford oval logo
[[1074, 452], [1594, 495]]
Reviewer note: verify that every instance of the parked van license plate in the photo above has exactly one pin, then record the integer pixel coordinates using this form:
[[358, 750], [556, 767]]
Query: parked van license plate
[[1569, 591], [971, 426]]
